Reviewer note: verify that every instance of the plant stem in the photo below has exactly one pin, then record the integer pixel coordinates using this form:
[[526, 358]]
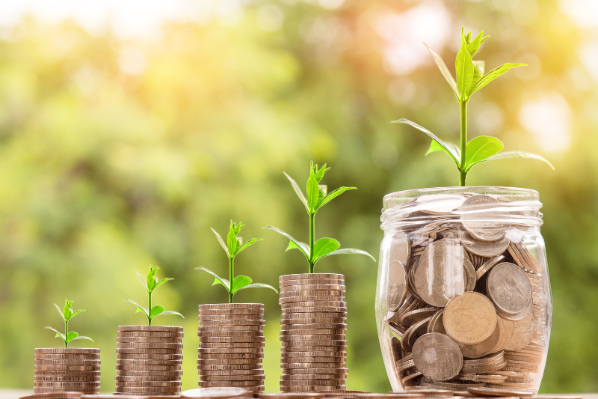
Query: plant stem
[[66, 333], [231, 273], [312, 239], [463, 112], [149, 309]]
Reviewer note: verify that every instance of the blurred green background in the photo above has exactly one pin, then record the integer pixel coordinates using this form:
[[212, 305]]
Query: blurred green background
[[123, 142]]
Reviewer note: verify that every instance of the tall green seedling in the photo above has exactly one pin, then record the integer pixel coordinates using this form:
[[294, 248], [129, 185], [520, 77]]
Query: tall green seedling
[[151, 283], [234, 246], [67, 314], [471, 77], [316, 197]]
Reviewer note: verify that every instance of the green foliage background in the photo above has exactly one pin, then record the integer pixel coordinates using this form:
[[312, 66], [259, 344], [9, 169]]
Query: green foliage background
[[104, 173]]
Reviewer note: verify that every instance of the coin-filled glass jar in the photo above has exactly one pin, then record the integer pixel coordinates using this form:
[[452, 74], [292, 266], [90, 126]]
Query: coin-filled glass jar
[[463, 299]]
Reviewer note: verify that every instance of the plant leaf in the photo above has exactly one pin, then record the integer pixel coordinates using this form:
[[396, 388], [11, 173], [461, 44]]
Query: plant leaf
[[435, 146], [82, 337], [493, 74], [248, 244], [167, 312], [58, 334], [231, 238], [324, 246], [464, 66], [474, 45], [139, 307], [303, 246], [67, 309], [151, 279], [313, 193], [217, 280], [297, 243], [164, 280], [142, 280], [258, 285], [59, 311], [221, 241], [76, 313], [350, 251], [332, 195], [480, 148], [71, 336], [478, 71], [156, 310], [298, 191], [450, 148], [240, 282], [518, 154], [444, 70]]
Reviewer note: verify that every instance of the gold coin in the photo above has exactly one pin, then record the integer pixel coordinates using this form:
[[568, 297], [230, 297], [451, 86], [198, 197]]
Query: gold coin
[[217, 328], [524, 331], [310, 276], [217, 323], [313, 320], [290, 284], [315, 370], [470, 318], [226, 367], [315, 298], [437, 356], [317, 304]]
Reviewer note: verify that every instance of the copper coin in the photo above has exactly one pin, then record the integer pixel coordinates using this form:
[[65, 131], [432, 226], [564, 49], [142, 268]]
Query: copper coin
[[225, 361], [233, 377], [316, 293], [336, 326], [317, 304], [168, 374], [170, 340], [290, 284], [315, 354], [481, 216], [174, 329], [210, 328], [323, 298], [470, 318], [314, 320], [148, 345], [231, 372], [475, 351], [510, 290], [311, 276], [152, 334], [68, 362], [523, 332], [57, 367], [217, 323], [309, 287], [238, 338], [336, 377], [437, 356], [149, 356], [146, 361], [236, 345], [314, 309], [226, 366], [290, 383], [54, 395], [231, 383], [314, 344], [486, 249], [150, 351], [66, 356], [224, 333], [231, 350], [67, 351], [315, 370], [306, 365], [397, 284]]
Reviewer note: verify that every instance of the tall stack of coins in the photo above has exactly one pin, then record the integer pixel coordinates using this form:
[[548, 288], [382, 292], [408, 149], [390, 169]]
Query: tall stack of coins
[[67, 369], [466, 295], [314, 313], [231, 346], [149, 360]]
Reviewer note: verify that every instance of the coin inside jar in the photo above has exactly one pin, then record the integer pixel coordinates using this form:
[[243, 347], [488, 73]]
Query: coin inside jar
[[437, 356], [470, 318], [485, 249], [397, 285], [511, 291], [482, 219]]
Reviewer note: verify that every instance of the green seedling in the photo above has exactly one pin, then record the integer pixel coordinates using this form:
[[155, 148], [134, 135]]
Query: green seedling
[[317, 196], [470, 79], [151, 283], [67, 314], [234, 246]]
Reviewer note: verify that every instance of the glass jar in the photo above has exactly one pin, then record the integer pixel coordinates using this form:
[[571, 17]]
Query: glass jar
[[463, 298]]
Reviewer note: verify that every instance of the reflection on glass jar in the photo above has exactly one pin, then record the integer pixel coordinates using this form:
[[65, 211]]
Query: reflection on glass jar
[[463, 299]]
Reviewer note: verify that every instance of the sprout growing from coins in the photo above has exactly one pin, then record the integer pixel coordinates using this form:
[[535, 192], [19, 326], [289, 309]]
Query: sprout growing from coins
[[151, 283], [470, 79], [67, 314], [234, 246], [316, 198]]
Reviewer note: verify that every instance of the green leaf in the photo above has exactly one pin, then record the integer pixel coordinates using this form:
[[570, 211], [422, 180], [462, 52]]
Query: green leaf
[[164, 280], [232, 241], [318, 174], [435, 146], [322, 191], [302, 247], [59, 311], [449, 148], [333, 195], [518, 154], [67, 309], [139, 307], [167, 312], [258, 285], [82, 337], [313, 193], [481, 148], [217, 280], [323, 247], [142, 280], [474, 46], [247, 245], [297, 243], [464, 66], [156, 310], [221, 241], [71, 336], [298, 191], [444, 70], [493, 74], [478, 72], [151, 280], [58, 334], [240, 282], [350, 251], [76, 313]]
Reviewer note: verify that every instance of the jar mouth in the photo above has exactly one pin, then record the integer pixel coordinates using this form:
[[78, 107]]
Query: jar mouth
[[516, 206]]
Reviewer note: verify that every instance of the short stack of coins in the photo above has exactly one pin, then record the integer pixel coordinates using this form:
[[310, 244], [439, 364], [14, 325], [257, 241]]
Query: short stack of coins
[[149, 360], [231, 346], [67, 369], [313, 323]]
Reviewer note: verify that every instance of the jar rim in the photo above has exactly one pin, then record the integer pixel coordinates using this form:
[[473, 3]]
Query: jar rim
[[464, 189]]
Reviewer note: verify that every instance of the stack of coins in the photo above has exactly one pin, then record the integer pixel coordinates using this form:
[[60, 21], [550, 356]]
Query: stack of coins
[[149, 360], [67, 369], [231, 346], [314, 313]]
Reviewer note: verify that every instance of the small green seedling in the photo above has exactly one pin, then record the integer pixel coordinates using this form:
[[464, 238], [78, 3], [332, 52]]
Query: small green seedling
[[470, 79], [234, 246], [67, 314], [317, 197], [151, 283]]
